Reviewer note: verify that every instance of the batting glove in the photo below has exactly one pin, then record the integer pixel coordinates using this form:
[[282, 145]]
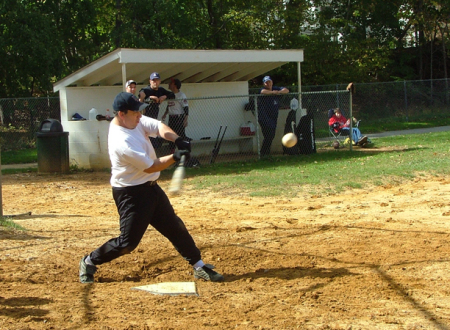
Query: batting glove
[[177, 155], [183, 144]]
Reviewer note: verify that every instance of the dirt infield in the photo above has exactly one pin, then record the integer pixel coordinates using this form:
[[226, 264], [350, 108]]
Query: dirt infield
[[364, 259]]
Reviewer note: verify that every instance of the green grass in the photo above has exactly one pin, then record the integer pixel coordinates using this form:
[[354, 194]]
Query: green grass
[[394, 124], [9, 224], [391, 124], [328, 171], [22, 156], [391, 160]]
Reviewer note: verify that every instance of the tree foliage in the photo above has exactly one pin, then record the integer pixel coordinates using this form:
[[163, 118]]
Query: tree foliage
[[43, 41]]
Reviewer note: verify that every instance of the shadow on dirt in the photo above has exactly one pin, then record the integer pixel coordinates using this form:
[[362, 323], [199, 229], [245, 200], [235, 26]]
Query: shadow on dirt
[[427, 313], [17, 307], [287, 273]]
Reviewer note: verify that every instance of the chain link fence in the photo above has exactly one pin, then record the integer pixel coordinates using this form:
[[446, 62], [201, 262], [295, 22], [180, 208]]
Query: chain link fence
[[214, 126], [227, 128], [404, 100], [20, 119], [234, 128]]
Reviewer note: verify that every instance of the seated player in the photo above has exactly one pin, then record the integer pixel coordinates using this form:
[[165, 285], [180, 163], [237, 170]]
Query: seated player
[[339, 123]]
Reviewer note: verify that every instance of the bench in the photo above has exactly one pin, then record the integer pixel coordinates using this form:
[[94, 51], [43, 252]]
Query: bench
[[236, 144]]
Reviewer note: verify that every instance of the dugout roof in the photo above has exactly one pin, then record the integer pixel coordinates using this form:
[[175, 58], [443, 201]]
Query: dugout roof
[[190, 66]]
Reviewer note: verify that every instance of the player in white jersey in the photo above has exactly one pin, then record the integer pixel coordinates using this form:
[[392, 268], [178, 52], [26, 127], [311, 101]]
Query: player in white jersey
[[140, 201]]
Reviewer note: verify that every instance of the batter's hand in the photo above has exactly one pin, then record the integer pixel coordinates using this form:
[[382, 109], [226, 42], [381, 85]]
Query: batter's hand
[[183, 144], [177, 155]]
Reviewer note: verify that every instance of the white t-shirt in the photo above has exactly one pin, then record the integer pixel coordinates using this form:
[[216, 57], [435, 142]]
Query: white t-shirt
[[176, 106], [131, 152]]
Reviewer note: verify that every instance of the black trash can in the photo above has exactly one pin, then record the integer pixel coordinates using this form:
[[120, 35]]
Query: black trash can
[[52, 145]]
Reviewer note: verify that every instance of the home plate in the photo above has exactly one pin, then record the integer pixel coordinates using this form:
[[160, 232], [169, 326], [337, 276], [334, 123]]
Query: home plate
[[170, 288]]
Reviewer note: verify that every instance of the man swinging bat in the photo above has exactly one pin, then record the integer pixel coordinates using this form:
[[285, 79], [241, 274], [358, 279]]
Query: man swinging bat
[[140, 201]]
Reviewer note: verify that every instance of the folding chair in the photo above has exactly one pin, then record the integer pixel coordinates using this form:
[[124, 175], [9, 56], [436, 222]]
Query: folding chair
[[341, 134]]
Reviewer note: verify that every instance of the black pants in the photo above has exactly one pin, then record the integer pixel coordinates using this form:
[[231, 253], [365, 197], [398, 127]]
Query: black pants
[[138, 207], [269, 135]]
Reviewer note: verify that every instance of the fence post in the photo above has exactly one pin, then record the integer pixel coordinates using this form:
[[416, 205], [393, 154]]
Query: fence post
[[257, 126], [406, 99], [299, 86], [350, 105]]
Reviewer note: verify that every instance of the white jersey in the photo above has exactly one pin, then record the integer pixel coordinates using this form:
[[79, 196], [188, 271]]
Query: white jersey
[[176, 106], [131, 152]]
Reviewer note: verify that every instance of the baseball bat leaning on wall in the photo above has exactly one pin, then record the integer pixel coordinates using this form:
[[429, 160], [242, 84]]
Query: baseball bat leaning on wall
[[177, 178]]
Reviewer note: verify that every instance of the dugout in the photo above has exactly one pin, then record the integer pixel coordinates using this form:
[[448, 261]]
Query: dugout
[[203, 73]]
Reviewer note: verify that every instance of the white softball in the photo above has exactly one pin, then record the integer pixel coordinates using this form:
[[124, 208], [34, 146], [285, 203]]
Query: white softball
[[289, 140]]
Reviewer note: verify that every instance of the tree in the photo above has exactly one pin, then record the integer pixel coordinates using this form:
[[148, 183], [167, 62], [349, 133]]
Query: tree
[[29, 52], [42, 42], [344, 40]]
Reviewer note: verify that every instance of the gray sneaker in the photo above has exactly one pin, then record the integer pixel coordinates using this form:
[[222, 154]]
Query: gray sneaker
[[208, 274], [86, 271]]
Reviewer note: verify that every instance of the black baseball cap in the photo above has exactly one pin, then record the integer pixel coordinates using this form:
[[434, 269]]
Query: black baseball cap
[[127, 101], [155, 75]]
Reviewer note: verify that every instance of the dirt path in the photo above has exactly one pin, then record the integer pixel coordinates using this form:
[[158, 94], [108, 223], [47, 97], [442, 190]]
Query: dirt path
[[366, 259]]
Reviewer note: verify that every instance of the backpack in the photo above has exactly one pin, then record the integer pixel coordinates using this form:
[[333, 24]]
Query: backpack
[[290, 127]]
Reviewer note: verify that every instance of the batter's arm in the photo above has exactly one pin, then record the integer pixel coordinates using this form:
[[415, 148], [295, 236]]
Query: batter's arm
[[160, 164]]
